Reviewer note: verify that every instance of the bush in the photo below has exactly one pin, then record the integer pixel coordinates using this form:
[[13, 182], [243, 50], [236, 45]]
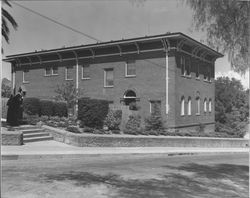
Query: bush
[[73, 129], [60, 109], [153, 122], [31, 119], [200, 128], [46, 107], [113, 119], [133, 125], [92, 112], [31, 106]]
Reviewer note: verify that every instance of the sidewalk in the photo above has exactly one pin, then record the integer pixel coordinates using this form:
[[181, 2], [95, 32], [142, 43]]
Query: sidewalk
[[53, 149]]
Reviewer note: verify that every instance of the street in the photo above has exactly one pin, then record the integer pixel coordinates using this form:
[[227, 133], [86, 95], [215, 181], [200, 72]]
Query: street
[[133, 176]]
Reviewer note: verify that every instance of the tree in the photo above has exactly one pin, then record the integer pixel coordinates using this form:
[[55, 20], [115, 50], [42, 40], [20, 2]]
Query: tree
[[226, 23], [6, 19], [6, 88], [231, 106]]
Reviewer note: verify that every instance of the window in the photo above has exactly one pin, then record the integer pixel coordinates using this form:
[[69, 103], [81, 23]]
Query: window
[[85, 72], [205, 105], [205, 73], [130, 69], [210, 106], [198, 101], [182, 106], [25, 72], [109, 77], [189, 106], [197, 72], [47, 71], [69, 73], [183, 71], [188, 67], [208, 74], [54, 70], [155, 107]]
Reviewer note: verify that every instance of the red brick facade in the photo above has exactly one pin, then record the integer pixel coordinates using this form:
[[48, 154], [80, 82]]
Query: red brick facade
[[158, 78]]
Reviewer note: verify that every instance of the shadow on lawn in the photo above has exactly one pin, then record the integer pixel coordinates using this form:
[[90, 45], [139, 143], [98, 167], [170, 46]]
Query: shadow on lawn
[[223, 180]]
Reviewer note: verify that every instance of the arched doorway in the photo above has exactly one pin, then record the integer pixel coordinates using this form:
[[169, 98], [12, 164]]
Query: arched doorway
[[129, 97]]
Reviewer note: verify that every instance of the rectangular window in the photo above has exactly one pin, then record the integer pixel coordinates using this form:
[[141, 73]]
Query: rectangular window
[[155, 107], [25, 79], [208, 74], [183, 71], [54, 70], [197, 72], [109, 77], [130, 69], [85, 72], [188, 67], [69, 73], [47, 71]]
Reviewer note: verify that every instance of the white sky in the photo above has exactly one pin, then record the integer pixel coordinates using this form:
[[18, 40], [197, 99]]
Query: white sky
[[103, 19]]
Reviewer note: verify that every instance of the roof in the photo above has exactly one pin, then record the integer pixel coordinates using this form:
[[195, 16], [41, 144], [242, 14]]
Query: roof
[[177, 35]]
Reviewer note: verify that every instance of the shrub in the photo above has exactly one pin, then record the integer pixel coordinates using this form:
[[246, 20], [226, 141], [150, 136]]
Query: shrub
[[46, 107], [133, 125], [60, 109], [200, 128], [113, 119], [31, 119], [153, 122], [73, 129], [92, 112], [31, 106]]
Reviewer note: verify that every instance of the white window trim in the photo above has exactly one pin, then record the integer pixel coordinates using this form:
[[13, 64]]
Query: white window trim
[[52, 71], [183, 107], [198, 105], [189, 106], [105, 71], [210, 106], [84, 78], [205, 106], [24, 81], [45, 71], [66, 74], [126, 71]]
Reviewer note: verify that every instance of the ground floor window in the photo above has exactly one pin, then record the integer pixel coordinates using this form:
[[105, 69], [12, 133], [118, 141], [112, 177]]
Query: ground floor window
[[25, 74], [189, 106], [210, 106]]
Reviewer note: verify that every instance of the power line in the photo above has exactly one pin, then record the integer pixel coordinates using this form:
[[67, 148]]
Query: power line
[[58, 23]]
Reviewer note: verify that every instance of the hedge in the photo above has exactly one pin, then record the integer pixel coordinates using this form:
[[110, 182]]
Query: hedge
[[60, 109], [46, 107], [92, 112], [31, 106]]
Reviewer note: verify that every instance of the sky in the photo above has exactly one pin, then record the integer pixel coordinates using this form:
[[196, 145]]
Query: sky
[[104, 20]]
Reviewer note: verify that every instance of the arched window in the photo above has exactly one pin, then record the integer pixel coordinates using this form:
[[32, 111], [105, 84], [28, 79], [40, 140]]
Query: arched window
[[182, 106], [189, 106], [210, 106], [198, 103], [205, 105]]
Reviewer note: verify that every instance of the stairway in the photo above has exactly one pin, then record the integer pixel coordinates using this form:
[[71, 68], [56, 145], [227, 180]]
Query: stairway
[[34, 134]]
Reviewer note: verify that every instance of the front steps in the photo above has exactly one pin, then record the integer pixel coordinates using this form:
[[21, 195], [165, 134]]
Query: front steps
[[34, 134]]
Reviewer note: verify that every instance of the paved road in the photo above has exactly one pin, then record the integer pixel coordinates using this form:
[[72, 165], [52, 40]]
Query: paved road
[[130, 176]]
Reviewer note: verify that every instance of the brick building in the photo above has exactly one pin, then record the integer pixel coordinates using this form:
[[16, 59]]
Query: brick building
[[172, 72]]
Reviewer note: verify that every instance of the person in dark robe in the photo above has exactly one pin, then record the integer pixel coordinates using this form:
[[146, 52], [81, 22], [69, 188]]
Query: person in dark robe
[[10, 110]]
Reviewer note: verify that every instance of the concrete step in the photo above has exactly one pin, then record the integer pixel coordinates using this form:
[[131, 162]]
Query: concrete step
[[37, 139], [37, 130], [37, 134], [24, 127]]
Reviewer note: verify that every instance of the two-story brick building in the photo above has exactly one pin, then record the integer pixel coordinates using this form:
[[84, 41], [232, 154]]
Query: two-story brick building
[[172, 72]]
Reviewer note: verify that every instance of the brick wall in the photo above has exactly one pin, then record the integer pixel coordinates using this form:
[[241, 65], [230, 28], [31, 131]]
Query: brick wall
[[12, 138]]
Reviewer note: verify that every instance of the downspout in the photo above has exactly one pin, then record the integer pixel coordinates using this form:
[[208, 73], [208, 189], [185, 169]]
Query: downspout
[[77, 82]]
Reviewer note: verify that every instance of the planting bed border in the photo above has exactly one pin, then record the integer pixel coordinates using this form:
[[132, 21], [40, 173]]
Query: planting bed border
[[96, 140]]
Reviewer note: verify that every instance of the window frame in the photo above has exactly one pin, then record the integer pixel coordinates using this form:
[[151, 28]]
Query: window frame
[[189, 106], [210, 105], [183, 65], [198, 106], [197, 72], [66, 72], [105, 76], [25, 71], [182, 113], [49, 69], [126, 69], [85, 78], [52, 71], [151, 103], [205, 106]]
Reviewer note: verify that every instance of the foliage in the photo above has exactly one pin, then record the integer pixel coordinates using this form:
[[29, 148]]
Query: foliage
[[60, 109], [6, 19], [200, 128], [46, 107], [31, 106], [133, 106], [67, 92], [92, 112], [113, 119], [154, 122], [133, 125], [6, 88], [73, 129], [231, 106], [226, 23]]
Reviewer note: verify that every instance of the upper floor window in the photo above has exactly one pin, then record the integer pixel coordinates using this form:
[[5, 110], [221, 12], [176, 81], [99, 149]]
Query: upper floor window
[[25, 78], [51, 71], [130, 69], [54, 70], [109, 77], [197, 71], [209, 74], [182, 106], [189, 106], [85, 72], [69, 73], [47, 71], [210, 105], [185, 66], [198, 101]]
